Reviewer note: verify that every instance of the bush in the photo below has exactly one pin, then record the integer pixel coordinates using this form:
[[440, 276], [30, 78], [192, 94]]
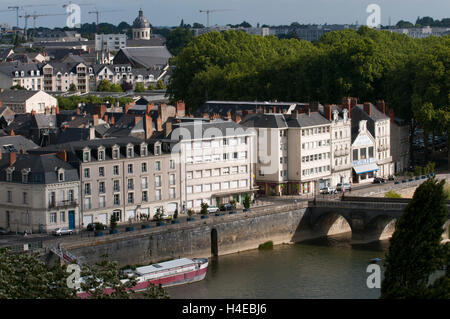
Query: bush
[[418, 170], [246, 202], [113, 222], [266, 245], [392, 194], [204, 209]]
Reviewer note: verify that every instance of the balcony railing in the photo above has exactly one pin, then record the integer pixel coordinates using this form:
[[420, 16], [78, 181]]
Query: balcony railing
[[63, 203]]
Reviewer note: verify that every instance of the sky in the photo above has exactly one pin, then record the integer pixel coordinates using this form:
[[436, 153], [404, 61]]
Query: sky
[[271, 12]]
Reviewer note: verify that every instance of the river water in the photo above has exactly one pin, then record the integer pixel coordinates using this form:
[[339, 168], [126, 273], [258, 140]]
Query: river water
[[323, 268]]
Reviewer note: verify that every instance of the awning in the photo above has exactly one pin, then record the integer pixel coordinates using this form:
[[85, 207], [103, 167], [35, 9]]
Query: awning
[[361, 169]]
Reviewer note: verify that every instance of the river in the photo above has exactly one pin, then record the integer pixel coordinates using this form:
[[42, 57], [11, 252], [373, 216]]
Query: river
[[323, 268]]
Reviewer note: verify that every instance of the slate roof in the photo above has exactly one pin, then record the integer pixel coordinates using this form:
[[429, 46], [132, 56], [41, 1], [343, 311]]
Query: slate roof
[[10, 68], [222, 107], [146, 57], [305, 120], [43, 168], [16, 96], [17, 142], [267, 120]]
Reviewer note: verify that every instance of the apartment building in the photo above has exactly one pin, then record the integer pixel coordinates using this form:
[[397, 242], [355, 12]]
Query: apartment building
[[38, 193], [126, 177], [26, 75], [60, 76], [216, 162], [27, 101], [378, 124], [110, 42], [364, 161]]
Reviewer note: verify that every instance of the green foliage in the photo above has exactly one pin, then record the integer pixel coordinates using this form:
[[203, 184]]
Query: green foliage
[[17, 87], [266, 245], [190, 212], [106, 86], [246, 202], [140, 87], [392, 194], [73, 88], [150, 87], [160, 85], [415, 251], [71, 102], [204, 208], [418, 170], [113, 222], [177, 39]]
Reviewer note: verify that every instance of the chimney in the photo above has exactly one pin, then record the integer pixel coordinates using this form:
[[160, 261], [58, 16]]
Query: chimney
[[33, 112], [149, 108], [381, 106], [353, 101], [57, 109], [228, 115], [159, 124], [105, 118], [237, 118], [148, 126], [274, 109], [112, 120], [137, 119], [12, 158], [314, 106], [168, 128], [91, 133], [244, 113], [78, 111], [47, 110], [95, 119], [126, 108], [367, 108], [181, 108], [295, 114], [206, 115], [22, 151], [391, 114], [307, 109], [62, 155], [53, 110], [327, 111]]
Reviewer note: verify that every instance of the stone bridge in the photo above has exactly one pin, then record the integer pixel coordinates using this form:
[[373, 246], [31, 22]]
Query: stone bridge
[[368, 218]]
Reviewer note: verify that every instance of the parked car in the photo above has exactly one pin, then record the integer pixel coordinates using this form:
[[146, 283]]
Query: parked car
[[62, 231], [213, 209], [226, 206], [391, 177], [328, 190], [3, 231], [91, 226], [379, 180], [343, 187], [163, 216]]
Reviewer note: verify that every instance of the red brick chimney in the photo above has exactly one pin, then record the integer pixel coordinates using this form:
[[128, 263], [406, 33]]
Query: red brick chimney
[[367, 108], [11, 133], [381, 106], [327, 111], [168, 128], [62, 155], [126, 108], [95, 119], [33, 112], [149, 108], [53, 110], [391, 114], [78, 111], [148, 126], [181, 108], [159, 124], [206, 115], [274, 109], [353, 101], [346, 104], [57, 109], [12, 158], [228, 115], [105, 118], [237, 118], [112, 120], [22, 151]]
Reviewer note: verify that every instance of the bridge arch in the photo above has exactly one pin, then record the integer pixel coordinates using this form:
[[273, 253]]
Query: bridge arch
[[380, 227], [331, 223]]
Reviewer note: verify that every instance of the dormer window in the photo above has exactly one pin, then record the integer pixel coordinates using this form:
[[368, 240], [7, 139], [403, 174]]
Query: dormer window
[[123, 69], [129, 69], [9, 172], [101, 154], [32, 73], [86, 155], [38, 73], [16, 73], [143, 150], [25, 173], [60, 172], [115, 152], [117, 69], [130, 151], [157, 149]]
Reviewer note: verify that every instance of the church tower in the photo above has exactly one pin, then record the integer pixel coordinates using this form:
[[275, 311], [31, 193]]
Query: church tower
[[141, 27]]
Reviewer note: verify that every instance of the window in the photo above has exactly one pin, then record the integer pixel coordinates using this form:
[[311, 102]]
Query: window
[[172, 193], [116, 186], [144, 196], [87, 189], [172, 164], [355, 155], [370, 151], [87, 203], [116, 199], [144, 183], [158, 194], [225, 170], [172, 179], [197, 188], [207, 187], [71, 197], [130, 168], [86, 156], [101, 171], [157, 166], [143, 150], [87, 173], [189, 175], [130, 152], [215, 186], [53, 218], [101, 155], [225, 185], [144, 167], [130, 184], [102, 201], [115, 153], [101, 187], [158, 181], [116, 170], [62, 217], [130, 198], [363, 153], [25, 197], [189, 189]]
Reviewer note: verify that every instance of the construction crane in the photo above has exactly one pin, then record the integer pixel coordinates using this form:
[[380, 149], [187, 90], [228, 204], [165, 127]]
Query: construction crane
[[97, 13], [211, 11], [17, 8], [35, 16]]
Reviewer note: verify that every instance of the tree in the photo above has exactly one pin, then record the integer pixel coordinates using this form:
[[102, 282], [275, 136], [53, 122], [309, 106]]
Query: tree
[[104, 86], [246, 202], [113, 222], [150, 87], [160, 85], [140, 87], [415, 251], [404, 24], [204, 208], [126, 86], [177, 39], [73, 87]]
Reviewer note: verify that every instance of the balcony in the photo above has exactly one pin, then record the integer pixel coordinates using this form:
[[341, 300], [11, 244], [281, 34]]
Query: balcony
[[63, 204]]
